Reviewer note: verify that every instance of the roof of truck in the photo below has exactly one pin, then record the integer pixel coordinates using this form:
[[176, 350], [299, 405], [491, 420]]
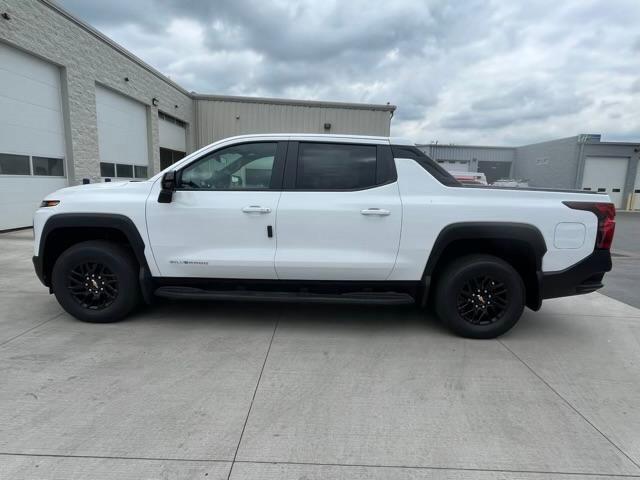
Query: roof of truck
[[325, 137]]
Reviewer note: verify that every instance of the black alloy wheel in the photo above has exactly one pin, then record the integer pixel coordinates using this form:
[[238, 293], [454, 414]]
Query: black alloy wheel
[[482, 300], [93, 285], [479, 296], [97, 281]]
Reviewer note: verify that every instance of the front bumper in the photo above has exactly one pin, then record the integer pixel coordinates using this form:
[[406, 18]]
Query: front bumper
[[39, 267], [583, 277]]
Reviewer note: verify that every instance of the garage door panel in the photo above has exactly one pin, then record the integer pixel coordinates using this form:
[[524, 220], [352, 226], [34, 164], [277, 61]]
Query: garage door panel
[[26, 90], [31, 124], [635, 199], [27, 66], [30, 116], [607, 175], [20, 197], [121, 146], [122, 128], [116, 116], [14, 140], [172, 136]]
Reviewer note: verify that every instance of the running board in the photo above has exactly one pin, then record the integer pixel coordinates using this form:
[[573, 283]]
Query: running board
[[386, 298]]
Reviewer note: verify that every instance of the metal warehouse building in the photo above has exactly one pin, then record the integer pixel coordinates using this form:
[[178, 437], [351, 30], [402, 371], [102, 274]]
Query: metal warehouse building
[[582, 162], [75, 105]]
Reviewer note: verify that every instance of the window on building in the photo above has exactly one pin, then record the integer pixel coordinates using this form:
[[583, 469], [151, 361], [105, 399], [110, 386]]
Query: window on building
[[124, 170], [107, 169], [171, 119], [140, 171], [328, 166], [240, 167], [169, 157], [53, 167], [14, 164]]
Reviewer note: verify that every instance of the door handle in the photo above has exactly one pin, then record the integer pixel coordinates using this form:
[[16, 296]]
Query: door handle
[[256, 209], [381, 212]]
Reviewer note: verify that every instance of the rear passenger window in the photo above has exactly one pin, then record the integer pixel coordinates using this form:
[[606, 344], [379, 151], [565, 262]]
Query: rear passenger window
[[328, 166]]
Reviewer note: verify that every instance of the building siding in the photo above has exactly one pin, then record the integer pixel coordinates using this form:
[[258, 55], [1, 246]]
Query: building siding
[[469, 153], [552, 164], [220, 118]]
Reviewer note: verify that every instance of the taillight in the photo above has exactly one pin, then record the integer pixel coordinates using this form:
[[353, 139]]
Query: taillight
[[606, 214]]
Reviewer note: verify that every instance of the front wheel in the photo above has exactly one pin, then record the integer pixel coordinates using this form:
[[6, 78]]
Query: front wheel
[[96, 281], [479, 296]]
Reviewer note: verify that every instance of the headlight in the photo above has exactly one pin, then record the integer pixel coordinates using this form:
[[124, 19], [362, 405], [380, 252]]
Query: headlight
[[49, 203]]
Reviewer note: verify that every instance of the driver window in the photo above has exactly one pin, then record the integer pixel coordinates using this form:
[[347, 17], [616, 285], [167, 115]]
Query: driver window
[[240, 167]]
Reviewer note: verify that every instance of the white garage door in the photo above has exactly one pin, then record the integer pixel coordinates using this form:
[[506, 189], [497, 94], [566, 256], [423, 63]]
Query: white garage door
[[455, 165], [32, 145], [172, 133], [122, 135], [635, 205], [606, 175]]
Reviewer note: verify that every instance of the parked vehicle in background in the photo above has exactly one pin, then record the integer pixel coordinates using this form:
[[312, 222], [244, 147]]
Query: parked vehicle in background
[[320, 218], [470, 178]]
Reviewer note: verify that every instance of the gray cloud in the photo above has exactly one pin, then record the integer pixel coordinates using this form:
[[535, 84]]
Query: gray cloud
[[474, 71], [523, 103]]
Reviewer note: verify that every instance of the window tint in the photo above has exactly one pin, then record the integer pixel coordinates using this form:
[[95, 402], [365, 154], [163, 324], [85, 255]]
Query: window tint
[[14, 164], [48, 166], [328, 166], [240, 167], [107, 169], [124, 171]]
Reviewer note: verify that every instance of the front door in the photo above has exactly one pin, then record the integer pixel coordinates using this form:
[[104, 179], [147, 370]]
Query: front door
[[220, 221], [339, 217]]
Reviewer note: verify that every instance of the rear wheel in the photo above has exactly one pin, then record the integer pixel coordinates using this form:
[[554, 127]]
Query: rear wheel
[[96, 281], [479, 296]]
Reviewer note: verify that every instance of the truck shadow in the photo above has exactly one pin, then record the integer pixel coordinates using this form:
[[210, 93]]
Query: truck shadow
[[311, 316]]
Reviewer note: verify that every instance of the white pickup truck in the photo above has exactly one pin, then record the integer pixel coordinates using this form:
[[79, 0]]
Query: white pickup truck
[[321, 218]]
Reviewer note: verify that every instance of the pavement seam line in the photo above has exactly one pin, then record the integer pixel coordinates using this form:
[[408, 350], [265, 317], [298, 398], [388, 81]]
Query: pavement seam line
[[421, 467], [570, 405], [115, 457], [319, 464], [255, 391], [29, 330]]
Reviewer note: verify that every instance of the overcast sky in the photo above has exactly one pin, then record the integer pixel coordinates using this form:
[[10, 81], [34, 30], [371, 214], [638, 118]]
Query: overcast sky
[[482, 72]]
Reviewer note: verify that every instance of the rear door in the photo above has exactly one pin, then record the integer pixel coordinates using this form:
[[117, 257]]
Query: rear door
[[339, 216]]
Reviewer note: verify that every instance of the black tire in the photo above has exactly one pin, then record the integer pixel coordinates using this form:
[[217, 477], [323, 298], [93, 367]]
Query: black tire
[[479, 296], [107, 269]]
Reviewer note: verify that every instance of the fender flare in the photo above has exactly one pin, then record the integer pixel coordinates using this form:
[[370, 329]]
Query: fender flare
[[118, 222], [522, 232]]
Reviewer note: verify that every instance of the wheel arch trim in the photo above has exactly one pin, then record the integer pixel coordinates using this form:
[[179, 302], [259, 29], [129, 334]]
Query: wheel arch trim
[[117, 222], [523, 232]]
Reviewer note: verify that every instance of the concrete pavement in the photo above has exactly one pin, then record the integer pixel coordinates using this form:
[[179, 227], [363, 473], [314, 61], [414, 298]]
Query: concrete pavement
[[623, 282], [282, 391]]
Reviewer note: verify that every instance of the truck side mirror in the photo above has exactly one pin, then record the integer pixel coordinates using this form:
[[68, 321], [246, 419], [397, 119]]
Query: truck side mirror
[[168, 184]]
